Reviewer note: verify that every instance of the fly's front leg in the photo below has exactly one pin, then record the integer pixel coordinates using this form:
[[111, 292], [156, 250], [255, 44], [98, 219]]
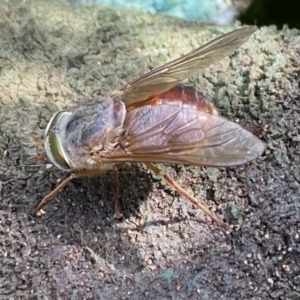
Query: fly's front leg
[[184, 193], [39, 211]]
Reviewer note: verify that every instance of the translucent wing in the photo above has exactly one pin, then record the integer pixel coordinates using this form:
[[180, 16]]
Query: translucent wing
[[187, 130], [167, 76]]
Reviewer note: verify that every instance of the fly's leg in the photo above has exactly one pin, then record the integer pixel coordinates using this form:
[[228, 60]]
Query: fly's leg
[[117, 214], [184, 193], [38, 210]]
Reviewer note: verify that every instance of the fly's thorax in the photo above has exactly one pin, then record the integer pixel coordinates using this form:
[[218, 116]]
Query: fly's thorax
[[72, 139]]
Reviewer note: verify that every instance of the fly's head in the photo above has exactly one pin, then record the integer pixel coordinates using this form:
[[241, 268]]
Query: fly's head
[[75, 141], [53, 142]]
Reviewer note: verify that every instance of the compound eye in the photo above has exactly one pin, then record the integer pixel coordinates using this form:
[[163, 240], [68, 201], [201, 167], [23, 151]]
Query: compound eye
[[54, 122], [55, 152], [53, 145]]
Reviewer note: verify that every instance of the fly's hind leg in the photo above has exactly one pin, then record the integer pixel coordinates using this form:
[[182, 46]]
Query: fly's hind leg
[[184, 193]]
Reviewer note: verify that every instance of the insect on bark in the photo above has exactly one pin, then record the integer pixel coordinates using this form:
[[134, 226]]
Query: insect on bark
[[153, 119]]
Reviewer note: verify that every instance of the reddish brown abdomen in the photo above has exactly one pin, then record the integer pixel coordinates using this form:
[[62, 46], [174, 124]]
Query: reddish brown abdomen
[[186, 95]]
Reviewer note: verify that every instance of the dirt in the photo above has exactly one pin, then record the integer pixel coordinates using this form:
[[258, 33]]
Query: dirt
[[52, 57]]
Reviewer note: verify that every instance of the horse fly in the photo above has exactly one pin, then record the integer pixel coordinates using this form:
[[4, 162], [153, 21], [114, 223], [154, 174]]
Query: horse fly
[[153, 119]]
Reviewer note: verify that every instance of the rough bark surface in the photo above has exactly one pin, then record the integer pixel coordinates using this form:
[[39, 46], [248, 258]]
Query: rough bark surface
[[53, 55]]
